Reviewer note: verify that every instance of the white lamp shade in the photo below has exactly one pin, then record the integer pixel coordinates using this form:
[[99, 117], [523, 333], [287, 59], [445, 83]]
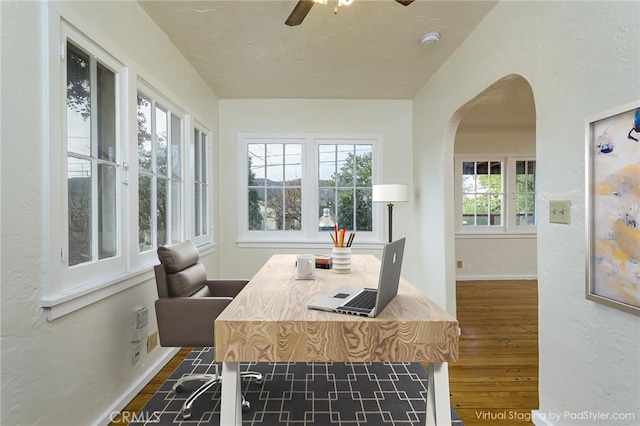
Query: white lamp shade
[[391, 193]]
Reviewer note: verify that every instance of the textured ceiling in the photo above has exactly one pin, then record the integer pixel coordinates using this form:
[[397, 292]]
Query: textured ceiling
[[369, 50]]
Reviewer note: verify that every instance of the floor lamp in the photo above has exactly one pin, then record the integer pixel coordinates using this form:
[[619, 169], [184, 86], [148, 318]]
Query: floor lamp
[[390, 193]]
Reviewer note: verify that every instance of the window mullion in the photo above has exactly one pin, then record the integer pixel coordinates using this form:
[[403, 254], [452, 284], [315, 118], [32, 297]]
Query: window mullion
[[311, 158], [169, 190], [154, 179], [284, 187], [504, 204], [475, 193], [93, 90], [353, 188], [209, 182], [200, 141], [510, 186]]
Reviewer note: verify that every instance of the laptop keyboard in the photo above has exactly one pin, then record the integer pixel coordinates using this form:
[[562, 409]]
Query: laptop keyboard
[[365, 300]]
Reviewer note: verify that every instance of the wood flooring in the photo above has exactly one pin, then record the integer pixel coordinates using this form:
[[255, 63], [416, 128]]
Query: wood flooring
[[129, 412], [495, 382]]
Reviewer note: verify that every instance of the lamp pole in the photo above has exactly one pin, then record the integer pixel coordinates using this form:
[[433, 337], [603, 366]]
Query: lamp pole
[[390, 206]]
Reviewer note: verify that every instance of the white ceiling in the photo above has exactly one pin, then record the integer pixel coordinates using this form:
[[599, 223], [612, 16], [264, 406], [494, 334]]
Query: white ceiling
[[369, 50]]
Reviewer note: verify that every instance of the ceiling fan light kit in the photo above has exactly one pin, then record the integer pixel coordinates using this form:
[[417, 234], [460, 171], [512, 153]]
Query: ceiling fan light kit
[[303, 7]]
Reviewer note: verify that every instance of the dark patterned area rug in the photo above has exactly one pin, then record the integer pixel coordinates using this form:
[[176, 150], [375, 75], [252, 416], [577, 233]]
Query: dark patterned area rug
[[301, 394]]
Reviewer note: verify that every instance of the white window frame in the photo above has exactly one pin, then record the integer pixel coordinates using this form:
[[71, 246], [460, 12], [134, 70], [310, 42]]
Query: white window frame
[[508, 226], [63, 282], [206, 238], [69, 289], [309, 235], [148, 258]]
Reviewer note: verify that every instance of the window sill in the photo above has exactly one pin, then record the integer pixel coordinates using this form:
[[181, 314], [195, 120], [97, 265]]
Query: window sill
[[365, 245], [57, 305], [497, 235]]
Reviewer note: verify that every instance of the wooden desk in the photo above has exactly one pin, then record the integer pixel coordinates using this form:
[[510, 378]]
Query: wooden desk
[[269, 321]]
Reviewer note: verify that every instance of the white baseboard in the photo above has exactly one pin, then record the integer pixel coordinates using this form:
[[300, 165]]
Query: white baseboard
[[135, 389], [496, 277]]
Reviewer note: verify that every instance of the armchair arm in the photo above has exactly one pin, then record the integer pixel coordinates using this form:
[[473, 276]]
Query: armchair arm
[[185, 321], [225, 288]]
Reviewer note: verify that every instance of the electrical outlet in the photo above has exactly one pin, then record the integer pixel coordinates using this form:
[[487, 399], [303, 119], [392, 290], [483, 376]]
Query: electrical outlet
[[560, 211], [135, 357], [459, 264], [139, 323], [152, 341]]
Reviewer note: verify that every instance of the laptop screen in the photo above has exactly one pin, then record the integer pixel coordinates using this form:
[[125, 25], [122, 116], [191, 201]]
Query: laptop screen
[[390, 273]]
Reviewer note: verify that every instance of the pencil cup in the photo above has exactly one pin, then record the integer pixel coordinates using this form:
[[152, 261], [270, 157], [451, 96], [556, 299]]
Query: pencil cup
[[341, 260]]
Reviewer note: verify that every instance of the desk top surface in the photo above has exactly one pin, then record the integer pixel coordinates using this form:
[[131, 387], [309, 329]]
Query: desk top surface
[[269, 320]]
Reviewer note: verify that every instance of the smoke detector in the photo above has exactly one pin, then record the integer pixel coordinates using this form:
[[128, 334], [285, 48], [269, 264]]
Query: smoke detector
[[429, 39]]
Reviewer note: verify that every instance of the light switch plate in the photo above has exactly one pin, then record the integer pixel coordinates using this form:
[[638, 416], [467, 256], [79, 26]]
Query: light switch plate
[[560, 211]]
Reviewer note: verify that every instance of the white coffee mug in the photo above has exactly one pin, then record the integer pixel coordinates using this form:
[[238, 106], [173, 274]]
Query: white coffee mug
[[305, 267]]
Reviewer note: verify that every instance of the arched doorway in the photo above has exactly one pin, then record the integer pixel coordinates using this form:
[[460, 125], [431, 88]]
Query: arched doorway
[[496, 252]]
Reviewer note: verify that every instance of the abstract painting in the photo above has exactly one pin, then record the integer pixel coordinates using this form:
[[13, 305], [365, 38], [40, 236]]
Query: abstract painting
[[613, 208]]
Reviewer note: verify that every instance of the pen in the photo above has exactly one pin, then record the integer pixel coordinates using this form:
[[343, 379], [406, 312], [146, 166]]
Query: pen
[[350, 241]]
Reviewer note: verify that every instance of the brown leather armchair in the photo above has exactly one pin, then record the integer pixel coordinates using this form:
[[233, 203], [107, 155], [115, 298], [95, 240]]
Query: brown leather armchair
[[187, 306]]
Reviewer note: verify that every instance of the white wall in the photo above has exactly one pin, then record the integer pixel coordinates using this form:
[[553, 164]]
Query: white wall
[[581, 58], [512, 258], [70, 371], [391, 119]]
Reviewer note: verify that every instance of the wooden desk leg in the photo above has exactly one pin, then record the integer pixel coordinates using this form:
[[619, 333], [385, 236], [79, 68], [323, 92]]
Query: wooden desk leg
[[438, 402], [231, 399]]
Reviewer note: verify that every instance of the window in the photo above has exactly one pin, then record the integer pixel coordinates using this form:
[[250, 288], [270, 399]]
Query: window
[[298, 187], [525, 193], [495, 194], [274, 186], [159, 175], [91, 159], [90, 240], [101, 236], [201, 187], [482, 193], [344, 181]]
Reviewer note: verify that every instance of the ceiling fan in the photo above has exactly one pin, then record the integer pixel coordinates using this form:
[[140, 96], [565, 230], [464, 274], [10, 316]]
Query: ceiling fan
[[304, 6]]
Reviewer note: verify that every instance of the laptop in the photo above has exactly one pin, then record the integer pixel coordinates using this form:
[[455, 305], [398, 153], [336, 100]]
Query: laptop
[[367, 302]]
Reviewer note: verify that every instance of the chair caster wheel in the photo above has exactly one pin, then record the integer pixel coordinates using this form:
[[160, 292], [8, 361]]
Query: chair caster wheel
[[177, 388], [186, 414], [246, 405]]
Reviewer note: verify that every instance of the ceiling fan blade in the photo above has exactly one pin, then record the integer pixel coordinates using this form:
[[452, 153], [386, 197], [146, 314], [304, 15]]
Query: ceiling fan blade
[[405, 2], [299, 12]]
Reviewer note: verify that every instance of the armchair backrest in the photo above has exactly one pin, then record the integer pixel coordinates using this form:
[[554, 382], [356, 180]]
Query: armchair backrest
[[180, 274]]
